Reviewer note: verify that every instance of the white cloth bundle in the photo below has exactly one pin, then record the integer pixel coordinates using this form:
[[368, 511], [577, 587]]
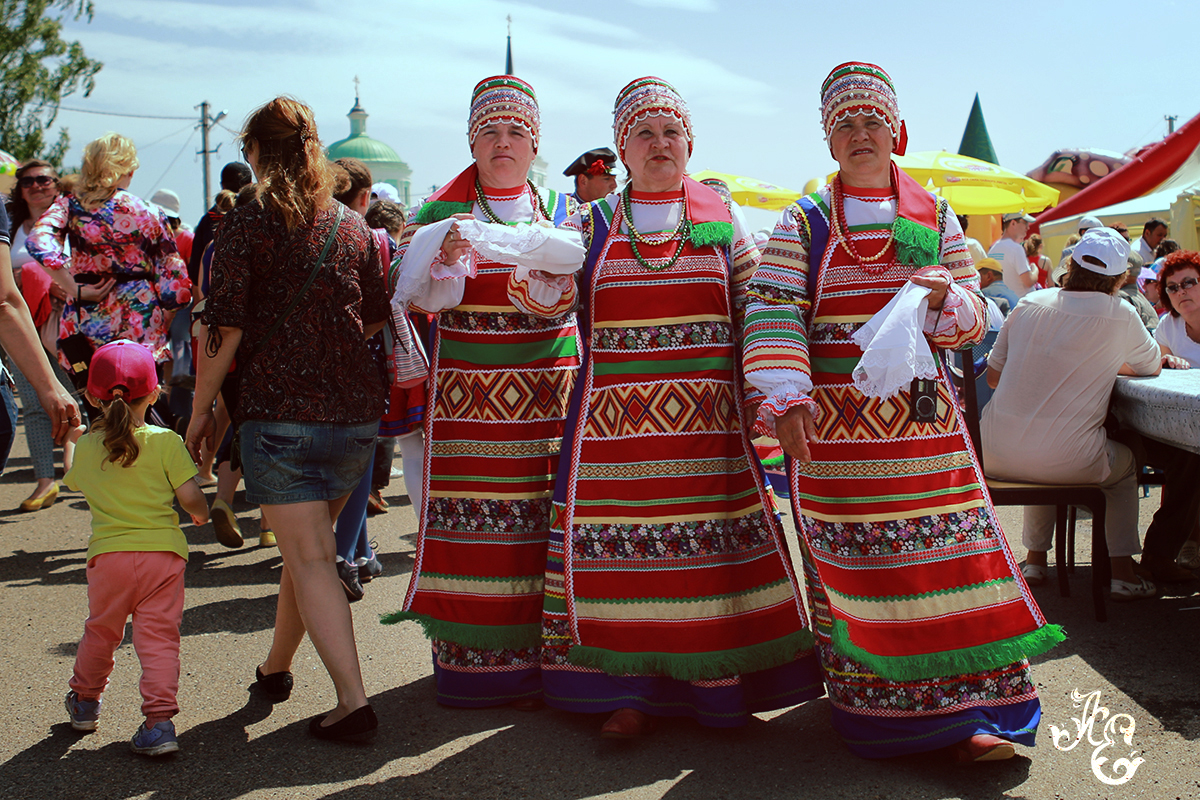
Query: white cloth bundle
[[414, 279], [894, 347], [539, 245]]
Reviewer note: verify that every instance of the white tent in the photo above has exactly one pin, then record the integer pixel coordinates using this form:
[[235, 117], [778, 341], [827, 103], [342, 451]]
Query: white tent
[[1133, 213]]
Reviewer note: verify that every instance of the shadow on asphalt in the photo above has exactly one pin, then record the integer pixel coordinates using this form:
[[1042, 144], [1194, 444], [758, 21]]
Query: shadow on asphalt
[[424, 750], [1148, 648]]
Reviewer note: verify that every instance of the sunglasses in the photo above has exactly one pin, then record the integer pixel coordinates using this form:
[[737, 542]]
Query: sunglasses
[[25, 181], [1183, 286]]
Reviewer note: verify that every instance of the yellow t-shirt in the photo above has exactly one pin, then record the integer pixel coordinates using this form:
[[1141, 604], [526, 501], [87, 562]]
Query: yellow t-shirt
[[133, 508]]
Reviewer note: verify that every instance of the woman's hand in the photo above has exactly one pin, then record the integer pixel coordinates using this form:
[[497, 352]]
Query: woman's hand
[[455, 246], [201, 430], [1175, 362], [91, 293], [560, 282], [794, 429], [57, 292], [60, 407], [939, 286]]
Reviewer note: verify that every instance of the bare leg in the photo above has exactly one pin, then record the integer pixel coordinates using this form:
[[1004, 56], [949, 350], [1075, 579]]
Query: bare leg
[[221, 417], [227, 481], [1122, 569], [311, 599]]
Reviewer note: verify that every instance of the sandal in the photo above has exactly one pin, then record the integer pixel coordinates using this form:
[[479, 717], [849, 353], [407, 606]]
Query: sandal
[[1035, 574], [1122, 591]]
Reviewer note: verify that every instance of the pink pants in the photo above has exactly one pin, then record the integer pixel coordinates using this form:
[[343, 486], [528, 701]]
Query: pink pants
[[150, 587]]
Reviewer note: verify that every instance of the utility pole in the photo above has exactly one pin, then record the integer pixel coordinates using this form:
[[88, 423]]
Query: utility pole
[[206, 123], [1171, 123]]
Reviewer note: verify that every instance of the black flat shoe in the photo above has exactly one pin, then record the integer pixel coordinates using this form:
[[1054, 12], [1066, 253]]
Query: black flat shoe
[[276, 687], [357, 726]]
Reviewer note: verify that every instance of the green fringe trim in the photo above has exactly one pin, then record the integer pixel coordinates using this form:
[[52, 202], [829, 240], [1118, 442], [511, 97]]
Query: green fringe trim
[[949, 662], [916, 245], [695, 666], [719, 234], [773, 461], [483, 637], [438, 210]]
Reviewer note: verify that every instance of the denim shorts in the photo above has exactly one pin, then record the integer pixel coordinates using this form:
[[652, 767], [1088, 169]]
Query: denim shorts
[[299, 462]]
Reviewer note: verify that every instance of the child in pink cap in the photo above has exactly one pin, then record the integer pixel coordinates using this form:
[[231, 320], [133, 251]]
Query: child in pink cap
[[131, 473]]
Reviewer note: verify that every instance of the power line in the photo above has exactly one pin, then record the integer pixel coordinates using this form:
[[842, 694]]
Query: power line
[[116, 114], [176, 158], [168, 136]]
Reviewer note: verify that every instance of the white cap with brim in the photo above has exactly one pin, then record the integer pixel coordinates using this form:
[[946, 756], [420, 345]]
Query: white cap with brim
[[1089, 222], [1017, 215], [1106, 246]]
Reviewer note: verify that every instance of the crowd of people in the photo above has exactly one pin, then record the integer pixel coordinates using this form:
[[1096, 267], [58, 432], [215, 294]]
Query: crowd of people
[[574, 381]]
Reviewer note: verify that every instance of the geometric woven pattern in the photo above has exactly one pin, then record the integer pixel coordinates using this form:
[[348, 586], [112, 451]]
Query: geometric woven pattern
[[848, 414], [671, 407], [503, 396], [898, 468]]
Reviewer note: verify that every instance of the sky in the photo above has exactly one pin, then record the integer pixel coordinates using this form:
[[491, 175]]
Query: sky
[[1066, 74]]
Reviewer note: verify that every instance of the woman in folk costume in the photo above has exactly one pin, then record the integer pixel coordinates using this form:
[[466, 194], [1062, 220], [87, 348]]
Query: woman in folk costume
[[669, 591], [922, 619], [498, 399]]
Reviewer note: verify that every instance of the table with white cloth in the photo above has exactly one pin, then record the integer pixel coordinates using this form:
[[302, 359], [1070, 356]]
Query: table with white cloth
[[1165, 407]]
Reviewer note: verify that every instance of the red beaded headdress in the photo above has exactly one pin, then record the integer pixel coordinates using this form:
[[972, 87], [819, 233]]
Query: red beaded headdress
[[504, 98], [857, 88], [648, 97]]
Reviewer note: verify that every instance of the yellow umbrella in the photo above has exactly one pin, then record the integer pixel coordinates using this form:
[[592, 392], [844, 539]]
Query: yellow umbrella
[[972, 186], [751, 191]]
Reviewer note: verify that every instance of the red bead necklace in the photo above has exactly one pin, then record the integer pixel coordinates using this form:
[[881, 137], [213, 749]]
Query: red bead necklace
[[842, 231]]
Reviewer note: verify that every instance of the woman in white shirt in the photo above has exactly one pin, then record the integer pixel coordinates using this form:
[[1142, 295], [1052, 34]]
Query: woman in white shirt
[[1053, 367], [1178, 335]]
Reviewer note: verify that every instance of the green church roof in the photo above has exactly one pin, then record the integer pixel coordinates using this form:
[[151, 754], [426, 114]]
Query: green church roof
[[358, 144], [364, 148]]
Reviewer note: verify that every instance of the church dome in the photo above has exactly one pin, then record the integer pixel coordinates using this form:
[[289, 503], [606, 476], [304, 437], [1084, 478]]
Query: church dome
[[364, 148], [385, 164]]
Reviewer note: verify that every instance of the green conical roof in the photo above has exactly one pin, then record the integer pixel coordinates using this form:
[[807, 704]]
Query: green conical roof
[[975, 142]]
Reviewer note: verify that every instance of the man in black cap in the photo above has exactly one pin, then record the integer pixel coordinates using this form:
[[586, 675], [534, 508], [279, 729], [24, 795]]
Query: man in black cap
[[593, 173], [234, 176]]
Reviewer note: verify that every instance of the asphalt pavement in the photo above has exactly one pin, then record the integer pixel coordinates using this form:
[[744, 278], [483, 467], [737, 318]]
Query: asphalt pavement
[[1138, 672]]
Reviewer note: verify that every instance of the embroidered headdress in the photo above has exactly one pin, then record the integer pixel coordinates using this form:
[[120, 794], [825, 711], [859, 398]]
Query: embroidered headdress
[[857, 88], [643, 98], [504, 98]]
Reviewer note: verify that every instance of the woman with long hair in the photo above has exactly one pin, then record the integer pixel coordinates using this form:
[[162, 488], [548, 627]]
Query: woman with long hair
[[36, 191], [123, 276], [297, 287]]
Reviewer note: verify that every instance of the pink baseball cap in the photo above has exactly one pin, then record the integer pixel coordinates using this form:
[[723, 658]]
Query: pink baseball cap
[[123, 365]]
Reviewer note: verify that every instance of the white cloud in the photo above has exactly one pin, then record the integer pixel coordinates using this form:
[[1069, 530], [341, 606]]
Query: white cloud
[[417, 67]]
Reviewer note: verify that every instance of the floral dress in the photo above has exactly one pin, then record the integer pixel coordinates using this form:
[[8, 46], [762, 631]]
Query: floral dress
[[124, 239]]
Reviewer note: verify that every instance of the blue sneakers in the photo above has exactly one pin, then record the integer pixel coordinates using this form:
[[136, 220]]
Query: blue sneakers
[[156, 741], [85, 714]]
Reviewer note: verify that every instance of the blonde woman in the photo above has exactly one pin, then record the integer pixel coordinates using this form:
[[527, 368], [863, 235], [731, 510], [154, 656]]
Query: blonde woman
[[124, 278]]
